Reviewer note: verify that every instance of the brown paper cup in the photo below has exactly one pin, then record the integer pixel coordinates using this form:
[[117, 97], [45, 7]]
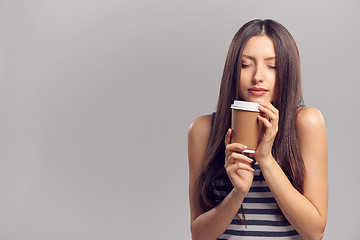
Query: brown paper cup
[[246, 128]]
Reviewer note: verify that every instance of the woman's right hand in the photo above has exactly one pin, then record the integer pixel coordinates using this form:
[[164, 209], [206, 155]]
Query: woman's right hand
[[238, 166]]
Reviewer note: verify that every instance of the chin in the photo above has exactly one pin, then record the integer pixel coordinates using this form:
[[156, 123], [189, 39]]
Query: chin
[[256, 99], [252, 98]]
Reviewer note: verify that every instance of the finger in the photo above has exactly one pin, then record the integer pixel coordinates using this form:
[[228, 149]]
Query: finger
[[236, 147], [240, 157], [239, 166], [268, 112], [237, 157], [229, 160], [228, 136], [268, 105], [265, 121]]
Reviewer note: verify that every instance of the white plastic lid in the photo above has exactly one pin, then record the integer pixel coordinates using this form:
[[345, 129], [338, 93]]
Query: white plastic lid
[[249, 151], [245, 106]]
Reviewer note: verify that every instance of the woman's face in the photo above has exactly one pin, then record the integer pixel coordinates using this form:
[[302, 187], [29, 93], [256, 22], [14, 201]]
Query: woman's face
[[258, 70]]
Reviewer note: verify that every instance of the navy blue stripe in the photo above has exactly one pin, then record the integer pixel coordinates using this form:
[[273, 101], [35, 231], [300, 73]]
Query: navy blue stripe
[[261, 234], [259, 189], [259, 200], [252, 189], [248, 199], [262, 211], [259, 178], [283, 223]]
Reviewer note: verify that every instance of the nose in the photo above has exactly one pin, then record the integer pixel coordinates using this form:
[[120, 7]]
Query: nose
[[258, 75]]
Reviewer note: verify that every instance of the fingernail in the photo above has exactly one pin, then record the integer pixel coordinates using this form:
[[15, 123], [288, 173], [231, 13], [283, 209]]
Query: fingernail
[[261, 100]]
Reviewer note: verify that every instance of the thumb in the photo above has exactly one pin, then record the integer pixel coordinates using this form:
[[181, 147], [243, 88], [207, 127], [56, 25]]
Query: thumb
[[228, 137]]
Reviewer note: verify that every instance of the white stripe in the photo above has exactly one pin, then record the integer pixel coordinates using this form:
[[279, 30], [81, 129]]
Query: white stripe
[[257, 172], [260, 228], [262, 217], [259, 184], [227, 236], [260, 194], [260, 206]]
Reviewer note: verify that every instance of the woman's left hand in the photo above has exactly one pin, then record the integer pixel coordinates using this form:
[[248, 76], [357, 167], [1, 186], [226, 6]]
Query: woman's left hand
[[270, 119]]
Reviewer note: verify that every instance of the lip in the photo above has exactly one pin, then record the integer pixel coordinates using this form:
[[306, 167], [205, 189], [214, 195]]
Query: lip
[[258, 92]]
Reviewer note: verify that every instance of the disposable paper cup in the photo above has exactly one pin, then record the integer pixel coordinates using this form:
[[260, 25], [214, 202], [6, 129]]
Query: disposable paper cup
[[246, 127]]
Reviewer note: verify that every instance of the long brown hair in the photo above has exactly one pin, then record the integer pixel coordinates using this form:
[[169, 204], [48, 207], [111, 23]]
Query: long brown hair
[[288, 97]]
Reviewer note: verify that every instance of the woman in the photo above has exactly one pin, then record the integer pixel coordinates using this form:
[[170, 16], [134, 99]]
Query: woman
[[284, 193]]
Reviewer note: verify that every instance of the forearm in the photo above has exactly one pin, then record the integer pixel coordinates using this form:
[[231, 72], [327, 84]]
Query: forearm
[[211, 224], [299, 211]]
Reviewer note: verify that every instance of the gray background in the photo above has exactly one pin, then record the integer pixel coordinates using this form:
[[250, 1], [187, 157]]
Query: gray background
[[96, 98]]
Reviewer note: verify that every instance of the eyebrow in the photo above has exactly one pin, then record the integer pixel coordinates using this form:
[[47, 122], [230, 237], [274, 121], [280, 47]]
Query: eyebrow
[[252, 58]]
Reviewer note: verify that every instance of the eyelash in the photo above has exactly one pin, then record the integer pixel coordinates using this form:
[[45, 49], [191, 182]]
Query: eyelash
[[247, 65]]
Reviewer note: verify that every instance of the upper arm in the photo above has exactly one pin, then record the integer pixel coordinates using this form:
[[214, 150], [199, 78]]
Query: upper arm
[[198, 137], [313, 145]]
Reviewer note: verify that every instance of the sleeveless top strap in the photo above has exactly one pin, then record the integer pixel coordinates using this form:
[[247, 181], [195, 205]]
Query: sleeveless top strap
[[212, 119]]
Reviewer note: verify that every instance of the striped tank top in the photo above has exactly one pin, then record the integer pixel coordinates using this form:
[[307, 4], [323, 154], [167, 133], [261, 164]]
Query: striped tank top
[[263, 217]]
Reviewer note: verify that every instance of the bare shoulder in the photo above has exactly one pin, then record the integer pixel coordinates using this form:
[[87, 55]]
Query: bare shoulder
[[200, 129], [312, 136], [309, 118], [198, 137]]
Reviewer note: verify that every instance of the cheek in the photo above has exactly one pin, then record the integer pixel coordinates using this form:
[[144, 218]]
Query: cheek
[[242, 83], [271, 79], [272, 97], [242, 89], [245, 78], [274, 91], [246, 74]]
